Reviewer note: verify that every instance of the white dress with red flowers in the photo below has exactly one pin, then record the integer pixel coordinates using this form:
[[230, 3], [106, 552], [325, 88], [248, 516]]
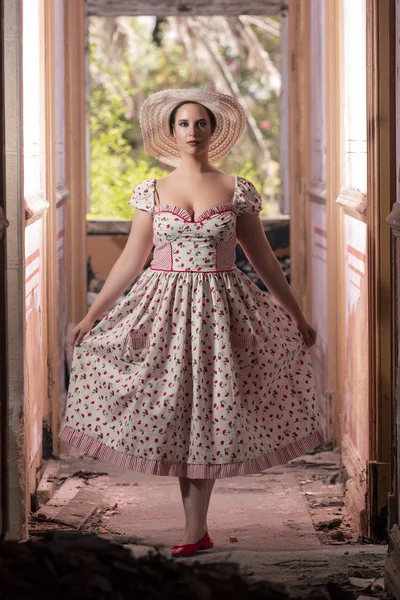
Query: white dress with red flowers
[[197, 372]]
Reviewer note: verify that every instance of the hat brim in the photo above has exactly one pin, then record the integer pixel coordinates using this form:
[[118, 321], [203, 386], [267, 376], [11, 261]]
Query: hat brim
[[155, 115]]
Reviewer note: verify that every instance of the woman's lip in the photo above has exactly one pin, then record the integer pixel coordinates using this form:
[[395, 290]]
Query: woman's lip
[[193, 143]]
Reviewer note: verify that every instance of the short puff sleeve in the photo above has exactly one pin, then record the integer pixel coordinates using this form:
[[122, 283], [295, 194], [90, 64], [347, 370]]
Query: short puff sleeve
[[247, 199], [143, 196]]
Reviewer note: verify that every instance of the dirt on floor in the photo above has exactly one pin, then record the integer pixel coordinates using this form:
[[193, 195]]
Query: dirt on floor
[[287, 524]]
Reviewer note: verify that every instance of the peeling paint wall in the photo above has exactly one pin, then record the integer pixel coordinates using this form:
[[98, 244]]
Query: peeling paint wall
[[35, 383], [328, 147], [62, 197], [319, 282], [34, 193], [352, 243], [355, 360], [318, 274], [62, 307]]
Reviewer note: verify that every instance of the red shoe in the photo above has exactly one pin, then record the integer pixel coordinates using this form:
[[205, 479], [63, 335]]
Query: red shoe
[[190, 549]]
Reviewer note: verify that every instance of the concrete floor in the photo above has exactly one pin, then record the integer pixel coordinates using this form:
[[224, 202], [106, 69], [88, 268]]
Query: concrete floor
[[271, 523]]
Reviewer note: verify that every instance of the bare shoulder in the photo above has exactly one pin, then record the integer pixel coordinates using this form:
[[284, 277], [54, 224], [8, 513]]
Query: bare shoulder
[[165, 179], [224, 178], [167, 176]]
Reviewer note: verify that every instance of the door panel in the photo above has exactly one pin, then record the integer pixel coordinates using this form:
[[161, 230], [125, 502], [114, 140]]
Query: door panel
[[3, 322]]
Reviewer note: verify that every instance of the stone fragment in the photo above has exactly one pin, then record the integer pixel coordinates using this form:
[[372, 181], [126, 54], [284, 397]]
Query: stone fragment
[[337, 535]]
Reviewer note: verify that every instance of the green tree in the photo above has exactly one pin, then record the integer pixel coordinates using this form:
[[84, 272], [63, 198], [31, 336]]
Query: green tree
[[128, 61]]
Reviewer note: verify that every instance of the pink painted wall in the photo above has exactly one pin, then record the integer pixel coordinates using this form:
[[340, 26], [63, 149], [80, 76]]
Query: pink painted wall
[[355, 364], [319, 265], [35, 385]]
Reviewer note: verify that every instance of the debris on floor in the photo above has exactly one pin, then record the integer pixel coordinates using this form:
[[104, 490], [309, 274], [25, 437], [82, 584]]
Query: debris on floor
[[86, 475], [323, 489], [86, 567], [70, 507], [287, 525]]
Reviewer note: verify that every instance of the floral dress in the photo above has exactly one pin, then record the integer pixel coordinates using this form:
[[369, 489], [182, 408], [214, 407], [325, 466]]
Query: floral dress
[[196, 372]]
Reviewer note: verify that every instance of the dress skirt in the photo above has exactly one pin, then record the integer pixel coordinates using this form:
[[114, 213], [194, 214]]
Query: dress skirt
[[198, 375]]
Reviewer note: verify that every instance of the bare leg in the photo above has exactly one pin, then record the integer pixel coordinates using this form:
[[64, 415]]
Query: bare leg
[[210, 486], [196, 495]]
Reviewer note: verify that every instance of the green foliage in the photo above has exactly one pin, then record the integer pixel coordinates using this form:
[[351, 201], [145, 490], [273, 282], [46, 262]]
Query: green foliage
[[120, 79]]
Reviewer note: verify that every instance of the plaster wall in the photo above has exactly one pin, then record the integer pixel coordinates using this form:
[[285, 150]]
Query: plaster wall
[[62, 193], [319, 275], [355, 363], [318, 250], [34, 193], [352, 251], [318, 94], [59, 76]]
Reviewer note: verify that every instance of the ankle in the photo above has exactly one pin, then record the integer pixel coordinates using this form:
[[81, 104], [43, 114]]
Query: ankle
[[194, 534]]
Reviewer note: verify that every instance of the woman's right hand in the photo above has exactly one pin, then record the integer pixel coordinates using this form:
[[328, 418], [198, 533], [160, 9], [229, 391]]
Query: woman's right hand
[[80, 330]]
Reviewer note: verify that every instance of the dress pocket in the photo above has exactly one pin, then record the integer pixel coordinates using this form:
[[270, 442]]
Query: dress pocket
[[244, 349], [247, 340], [135, 348]]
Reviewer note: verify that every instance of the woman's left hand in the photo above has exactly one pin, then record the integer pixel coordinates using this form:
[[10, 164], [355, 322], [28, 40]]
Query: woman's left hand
[[309, 334]]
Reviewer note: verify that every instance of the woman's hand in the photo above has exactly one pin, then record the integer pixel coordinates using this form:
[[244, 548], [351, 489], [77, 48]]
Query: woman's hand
[[309, 334], [79, 332]]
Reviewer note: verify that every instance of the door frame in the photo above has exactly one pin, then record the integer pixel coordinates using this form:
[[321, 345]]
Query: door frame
[[76, 17], [3, 301], [381, 153], [17, 498], [75, 156], [392, 565]]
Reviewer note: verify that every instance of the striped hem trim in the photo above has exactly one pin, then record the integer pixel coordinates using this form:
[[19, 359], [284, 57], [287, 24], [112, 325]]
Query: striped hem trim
[[272, 458]]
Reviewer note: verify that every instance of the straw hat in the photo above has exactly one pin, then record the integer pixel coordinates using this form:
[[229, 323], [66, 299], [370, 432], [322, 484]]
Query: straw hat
[[155, 114]]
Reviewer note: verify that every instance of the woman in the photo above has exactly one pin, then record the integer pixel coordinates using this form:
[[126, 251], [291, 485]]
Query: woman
[[197, 373]]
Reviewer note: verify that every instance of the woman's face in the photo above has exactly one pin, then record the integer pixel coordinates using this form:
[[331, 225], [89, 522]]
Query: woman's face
[[192, 129]]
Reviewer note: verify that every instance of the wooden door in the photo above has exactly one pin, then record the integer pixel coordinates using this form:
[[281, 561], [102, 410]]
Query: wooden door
[[381, 147], [363, 142], [340, 194], [392, 565], [3, 313]]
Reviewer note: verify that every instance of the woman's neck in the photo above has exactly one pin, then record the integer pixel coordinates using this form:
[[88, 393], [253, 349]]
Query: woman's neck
[[194, 165]]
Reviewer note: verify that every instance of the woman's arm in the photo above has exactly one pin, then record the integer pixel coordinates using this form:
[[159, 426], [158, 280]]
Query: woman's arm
[[128, 265], [250, 234]]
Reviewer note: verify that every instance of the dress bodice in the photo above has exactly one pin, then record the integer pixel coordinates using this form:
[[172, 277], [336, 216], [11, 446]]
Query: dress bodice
[[203, 243]]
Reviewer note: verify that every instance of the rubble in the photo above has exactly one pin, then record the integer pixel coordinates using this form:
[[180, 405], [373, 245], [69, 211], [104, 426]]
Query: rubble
[[272, 530], [86, 475], [332, 524], [87, 567]]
